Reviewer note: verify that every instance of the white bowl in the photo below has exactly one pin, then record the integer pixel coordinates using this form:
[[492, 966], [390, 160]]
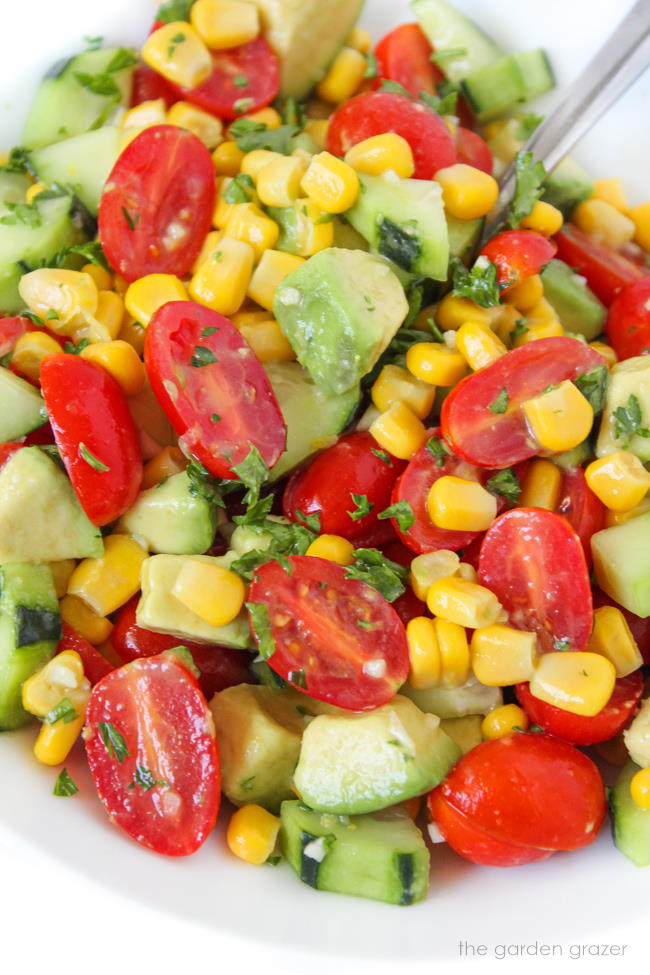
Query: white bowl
[[583, 895]]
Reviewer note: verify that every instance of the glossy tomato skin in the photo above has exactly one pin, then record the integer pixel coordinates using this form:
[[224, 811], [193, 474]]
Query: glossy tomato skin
[[326, 485], [219, 94], [581, 508], [157, 204], [606, 272], [95, 664], [639, 625], [404, 55], [148, 85], [314, 611], [533, 561], [518, 254], [11, 328], [87, 409], [578, 729], [473, 150], [227, 382], [157, 707], [529, 790], [499, 440], [376, 112], [628, 320]]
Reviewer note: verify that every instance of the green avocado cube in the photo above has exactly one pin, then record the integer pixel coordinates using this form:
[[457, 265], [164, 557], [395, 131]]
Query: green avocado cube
[[622, 563]]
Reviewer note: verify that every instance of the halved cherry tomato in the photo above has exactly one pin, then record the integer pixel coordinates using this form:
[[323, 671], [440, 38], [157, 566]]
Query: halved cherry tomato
[[518, 254], [473, 150], [220, 667], [606, 272], [10, 331], [639, 625], [148, 86], [532, 560], [376, 112], [224, 95], [95, 435], [490, 439], [212, 387], [404, 55], [353, 465], [38, 438], [157, 203], [7, 450], [581, 508], [576, 728], [518, 796], [95, 664], [153, 754], [335, 638], [628, 321]]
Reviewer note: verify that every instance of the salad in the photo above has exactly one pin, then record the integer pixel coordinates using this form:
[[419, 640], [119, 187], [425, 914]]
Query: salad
[[312, 499]]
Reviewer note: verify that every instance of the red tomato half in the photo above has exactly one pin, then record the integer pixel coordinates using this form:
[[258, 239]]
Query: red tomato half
[[639, 625], [606, 272], [157, 203], [518, 254], [212, 387], [490, 439], [527, 791], [581, 508], [220, 667], [404, 56], [153, 754], [532, 560], [473, 150], [353, 465], [220, 94], [628, 321], [578, 729], [95, 435], [314, 611], [7, 450], [96, 666], [148, 86], [376, 112], [10, 331]]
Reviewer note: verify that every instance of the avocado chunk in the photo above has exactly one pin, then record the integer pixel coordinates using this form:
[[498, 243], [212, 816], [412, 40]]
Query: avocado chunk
[[339, 311], [381, 856], [622, 563], [630, 823], [30, 628], [21, 407], [159, 610], [577, 306], [82, 162], [169, 518], [358, 762], [629, 392], [404, 221], [466, 731], [313, 417], [455, 702], [41, 519], [567, 186], [306, 35]]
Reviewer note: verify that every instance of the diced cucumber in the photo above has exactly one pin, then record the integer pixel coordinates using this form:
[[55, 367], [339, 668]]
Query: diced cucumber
[[567, 186], [498, 88], [464, 235], [578, 308], [630, 823], [170, 519], [622, 563], [30, 628], [450, 30], [627, 379], [69, 99], [21, 407], [82, 162], [381, 856], [456, 702], [13, 187]]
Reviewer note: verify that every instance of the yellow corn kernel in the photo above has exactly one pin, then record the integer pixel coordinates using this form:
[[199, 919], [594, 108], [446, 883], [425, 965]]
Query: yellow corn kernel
[[316, 129], [467, 571], [561, 418], [612, 638], [212, 592], [225, 23], [464, 602], [30, 352], [106, 583], [152, 112], [504, 721], [454, 652], [542, 311], [435, 363], [526, 294], [208, 247], [381, 152], [254, 162], [249, 316], [227, 158], [222, 281], [33, 191], [252, 834], [478, 345], [71, 296], [205, 127], [604, 223], [427, 568], [334, 548], [640, 788], [502, 655], [424, 654], [452, 312], [267, 116], [177, 52], [395, 384], [278, 182], [541, 485], [575, 681], [611, 191], [606, 351], [619, 480], [468, 193], [331, 183], [314, 228], [110, 313], [102, 278], [55, 742], [169, 461], [268, 341], [119, 360], [640, 217], [459, 505], [620, 517], [544, 219], [549, 329], [269, 274], [343, 77], [360, 40], [146, 295], [61, 677], [399, 431], [96, 629], [61, 572], [132, 332], [249, 224]]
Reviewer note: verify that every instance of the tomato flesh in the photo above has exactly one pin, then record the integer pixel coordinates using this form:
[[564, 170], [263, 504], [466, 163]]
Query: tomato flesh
[[95, 664], [628, 320], [473, 150], [221, 95], [606, 272], [148, 86], [404, 55], [581, 508], [518, 254]]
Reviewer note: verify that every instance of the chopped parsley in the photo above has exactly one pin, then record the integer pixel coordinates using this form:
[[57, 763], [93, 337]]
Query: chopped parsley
[[394, 88], [506, 484], [444, 103], [252, 472], [382, 455], [627, 421], [479, 284], [593, 386], [529, 186], [51, 315], [65, 785], [26, 214], [402, 512], [240, 81], [363, 506], [123, 58], [173, 10], [173, 44], [438, 450], [373, 568], [203, 485], [365, 625], [520, 329], [91, 460], [324, 218], [528, 125], [372, 69], [250, 135], [92, 251], [247, 784], [312, 522], [293, 113], [202, 356], [64, 711], [130, 221], [99, 84], [562, 644], [240, 189], [243, 105], [207, 332], [113, 741], [145, 779], [259, 615], [278, 539], [500, 404], [214, 418]]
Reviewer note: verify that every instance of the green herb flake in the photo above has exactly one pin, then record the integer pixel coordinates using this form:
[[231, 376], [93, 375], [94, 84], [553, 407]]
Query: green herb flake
[[293, 113], [365, 625], [363, 506], [312, 521], [402, 512], [73, 349], [520, 329], [250, 135], [174, 10], [373, 568], [145, 779], [324, 218], [65, 785], [240, 81], [529, 186], [383, 456], [51, 315], [173, 44], [26, 214], [529, 124], [207, 332], [593, 386], [261, 624], [243, 105], [394, 88], [438, 57], [562, 644], [123, 58], [113, 741], [438, 450], [252, 472], [91, 460], [506, 484], [64, 711], [479, 284], [131, 221], [240, 189], [247, 784], [627, 422], [99, 84], [214, 418], [444, 103], [372, 69], [202, 356], [500, 404]]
